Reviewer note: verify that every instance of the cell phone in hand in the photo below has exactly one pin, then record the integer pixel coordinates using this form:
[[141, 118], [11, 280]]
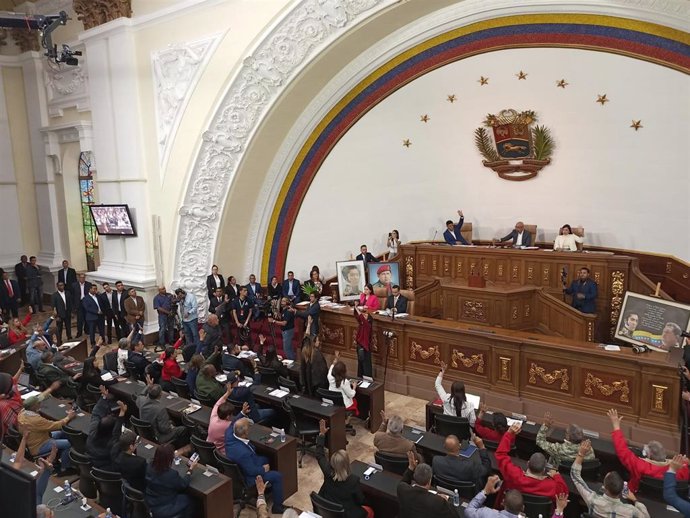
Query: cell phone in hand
[[498, 484], [193, 458]]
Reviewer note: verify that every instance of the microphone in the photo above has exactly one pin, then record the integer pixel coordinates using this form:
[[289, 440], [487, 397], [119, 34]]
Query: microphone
[[435, 232], [393, 312]]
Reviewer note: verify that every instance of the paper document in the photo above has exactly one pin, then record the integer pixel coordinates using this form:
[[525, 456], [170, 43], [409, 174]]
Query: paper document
[[278, 393]]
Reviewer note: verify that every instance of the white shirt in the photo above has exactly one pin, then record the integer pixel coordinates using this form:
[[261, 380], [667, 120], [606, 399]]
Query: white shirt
[[567, 242], [290, 288], [63, 296], [217, 281], [122, 356], [518, 241], [467, 410], [345, 388], [95, 299], [81, 289]]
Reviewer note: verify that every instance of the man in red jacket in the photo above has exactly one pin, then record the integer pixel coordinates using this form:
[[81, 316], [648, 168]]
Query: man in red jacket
[[654, 466], [534, 481]]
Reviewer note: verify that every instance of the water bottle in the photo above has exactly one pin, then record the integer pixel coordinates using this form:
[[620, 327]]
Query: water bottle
[[624, 494], [282, 435], [456, 498], [177, 458], [108, 513], [13, 457], [68, 491]]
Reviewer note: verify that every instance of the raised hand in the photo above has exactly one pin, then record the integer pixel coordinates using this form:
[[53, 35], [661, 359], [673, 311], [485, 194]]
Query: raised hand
[[483, 407], [515, 428], [444, 366], [548, 420], [260, 486], [585, 448], [262, 339], [411, 460], [615, 419], [561, 502], [149, 380], [55, 385], [478, 442], [490, 486], [123, 408], [245, 408], [383, 416], [677, 462], [323, 429]]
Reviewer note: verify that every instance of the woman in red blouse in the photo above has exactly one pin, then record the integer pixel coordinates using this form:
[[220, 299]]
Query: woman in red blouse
[[368, 299], [18, 330], [170, 369], [492, 434], [363, 340]]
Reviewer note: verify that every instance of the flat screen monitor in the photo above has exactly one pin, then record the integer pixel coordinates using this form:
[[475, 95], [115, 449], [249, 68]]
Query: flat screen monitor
[[17, 492], [113, 220]]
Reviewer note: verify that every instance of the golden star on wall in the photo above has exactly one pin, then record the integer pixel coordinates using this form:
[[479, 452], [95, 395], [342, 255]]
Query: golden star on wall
[[562, 83], [636, 125], [451, 98], [521, 75], [601, 99], [483, 80], [407, 142], [425, 118]]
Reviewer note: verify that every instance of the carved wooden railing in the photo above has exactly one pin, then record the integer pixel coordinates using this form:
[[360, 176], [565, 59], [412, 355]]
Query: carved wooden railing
[[640, 283], [555, 317], [429, 300]]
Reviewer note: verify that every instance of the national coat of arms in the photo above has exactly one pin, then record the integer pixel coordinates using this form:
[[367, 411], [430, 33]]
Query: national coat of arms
[[517, 151]]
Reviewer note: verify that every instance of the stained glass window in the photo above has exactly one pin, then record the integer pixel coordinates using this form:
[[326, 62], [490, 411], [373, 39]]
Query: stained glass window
[[86, 195]]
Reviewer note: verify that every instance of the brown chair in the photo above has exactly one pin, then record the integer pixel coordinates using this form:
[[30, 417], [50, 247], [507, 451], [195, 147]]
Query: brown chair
[[466, 232], [579, 232], [532, 229], [382, 295]]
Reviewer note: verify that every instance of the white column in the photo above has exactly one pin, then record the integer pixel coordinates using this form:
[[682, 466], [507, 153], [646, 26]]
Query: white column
[[12, 242], [117, 146]]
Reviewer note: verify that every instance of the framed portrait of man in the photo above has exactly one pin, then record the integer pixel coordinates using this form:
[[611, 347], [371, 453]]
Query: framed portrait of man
[[384, 275], [654, 322], [351, 279]]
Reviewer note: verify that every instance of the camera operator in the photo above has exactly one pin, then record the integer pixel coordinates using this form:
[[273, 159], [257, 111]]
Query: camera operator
[[286, 322], [163, 303]]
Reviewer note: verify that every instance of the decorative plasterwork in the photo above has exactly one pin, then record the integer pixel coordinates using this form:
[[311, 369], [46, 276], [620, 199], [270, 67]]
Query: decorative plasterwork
[[93, 13], [295, 39], [176, 71], [67, 86]]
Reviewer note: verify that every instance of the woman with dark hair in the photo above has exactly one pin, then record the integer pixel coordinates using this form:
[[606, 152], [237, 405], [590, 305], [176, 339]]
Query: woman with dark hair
[[314, 282], [213, 281], [500, 425], [363, 340], [165, 486], [566, 240], [171, 369], [91, 375], [270, 361], [313, 373], [19, 331], [338, 382], [456, 402], [104, 434], [393, 243], [275, 289], [195, 365], [232, 289], [368, 299]]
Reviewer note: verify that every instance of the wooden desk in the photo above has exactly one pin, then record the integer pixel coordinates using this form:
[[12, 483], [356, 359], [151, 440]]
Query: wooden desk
[[214, 492], [12, 358], [527, 372]]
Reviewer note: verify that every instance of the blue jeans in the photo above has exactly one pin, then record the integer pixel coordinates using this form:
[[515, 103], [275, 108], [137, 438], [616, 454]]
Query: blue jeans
[[191, 332], [165, 335], [276, 480], [287, 343], [63, 446]]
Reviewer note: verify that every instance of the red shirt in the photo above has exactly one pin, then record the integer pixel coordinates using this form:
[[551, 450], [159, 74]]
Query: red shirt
[[487, 433], [638, 467], [515, 478], [371, 302], [15, 337], [363, 336], [170, 369], [9, 410]]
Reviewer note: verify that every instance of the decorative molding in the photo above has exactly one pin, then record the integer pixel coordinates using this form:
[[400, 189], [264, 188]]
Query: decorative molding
[[474, 310], [409, 272], [458, 266], [176, 72], [607, 389], [590, 330], [337, 336], [548, 377], [26, 40], [67, 86], [530, 273], [281, 54], [505, 368], [468, 362], [617, 289], [3, 37], [434, 351], [93, 13], [658, 397]]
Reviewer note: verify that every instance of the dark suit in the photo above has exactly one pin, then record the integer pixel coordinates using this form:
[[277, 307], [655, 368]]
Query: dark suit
[[513, 236], [367, 259], [106, 301], [63, 308], [151, 411], [51, 373], [453, 237], [416, 501], [68, 279], [94, 316], [232, 291], [400, 305], [211, 284], [9, 304], [295, 289], [253, 295], [251, 465], [34, 284], [589, 289], [313, 311], [20, 273], [76, 303], [475, 469], [121, 327]]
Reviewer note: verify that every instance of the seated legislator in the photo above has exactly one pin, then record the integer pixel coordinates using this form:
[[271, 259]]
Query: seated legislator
[[151, 411], [654, 465], [368, 298], [53, 373], [415, 499], [127, 463], [513, 504], [534, 481], [561, 451], [518, 236], [584, 292], [500, 425], [454, 466], [207, 386], [566, 240], [244, 394], [340, 486], [452, 233], [338, 382], [222, 418], [456, 402], [389, 439], [240, 451], [396, 300], [611, 502], [670, 495], [165, 487]]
